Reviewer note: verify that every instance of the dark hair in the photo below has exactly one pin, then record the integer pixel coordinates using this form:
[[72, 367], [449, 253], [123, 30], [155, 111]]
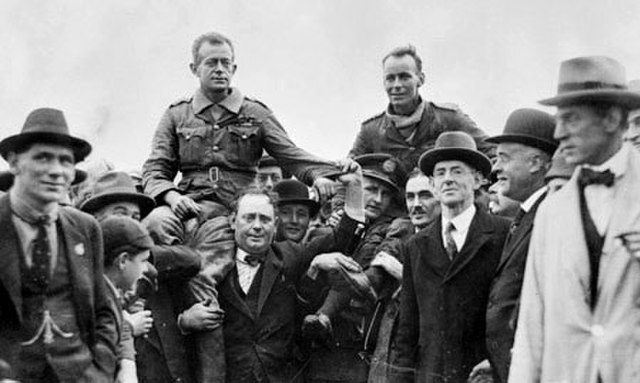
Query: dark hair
[[213, 38], [416, 172], [254, 190], [406, 50]]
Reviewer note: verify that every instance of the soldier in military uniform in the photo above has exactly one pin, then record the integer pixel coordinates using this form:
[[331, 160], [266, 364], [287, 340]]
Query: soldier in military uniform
[[410, 125], [215, 139]]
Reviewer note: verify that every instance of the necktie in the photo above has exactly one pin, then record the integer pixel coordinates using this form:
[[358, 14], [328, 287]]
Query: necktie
[[41, 254], [253, 259], [450, 244], [591, 177]]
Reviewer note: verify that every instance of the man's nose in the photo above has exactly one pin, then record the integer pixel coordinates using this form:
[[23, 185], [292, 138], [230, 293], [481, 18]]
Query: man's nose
[[560, 132], [268, 184]]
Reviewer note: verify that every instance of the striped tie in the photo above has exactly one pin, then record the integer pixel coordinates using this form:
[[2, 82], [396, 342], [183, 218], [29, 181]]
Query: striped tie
[[451, 247]]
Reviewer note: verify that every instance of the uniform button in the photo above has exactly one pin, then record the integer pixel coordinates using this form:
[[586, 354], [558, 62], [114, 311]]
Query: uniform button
[[597, 330], [164, 325], [244, 136], [216, 126], [411, 148], [216, 148]]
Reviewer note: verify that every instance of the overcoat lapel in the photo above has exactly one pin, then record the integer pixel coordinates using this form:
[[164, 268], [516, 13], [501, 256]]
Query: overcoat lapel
[[479, 233], [229, 289], [80, 267], [438, 257], [9, 253], [272, 269]]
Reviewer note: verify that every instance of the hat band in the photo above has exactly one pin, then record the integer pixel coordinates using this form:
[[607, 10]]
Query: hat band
[[588, 85]]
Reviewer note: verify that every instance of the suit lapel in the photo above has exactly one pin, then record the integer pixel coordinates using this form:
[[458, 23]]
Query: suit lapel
[[625, 216], [9, 256], [438, 258], [272, 268], [229, 289], [479, 233]]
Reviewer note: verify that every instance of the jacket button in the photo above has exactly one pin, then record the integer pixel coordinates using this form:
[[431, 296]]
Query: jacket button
[[411, 148], [216, 126], [244, 136], [216, 148]]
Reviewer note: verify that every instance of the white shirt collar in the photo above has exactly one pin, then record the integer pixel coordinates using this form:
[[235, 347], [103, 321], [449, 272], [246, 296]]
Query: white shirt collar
[[533, 198], [241, 255], [617, 163], [462, 221]]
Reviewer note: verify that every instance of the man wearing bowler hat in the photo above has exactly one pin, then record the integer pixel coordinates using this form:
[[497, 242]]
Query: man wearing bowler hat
[[55, 322], [448, 268], [295, 210], [523, 157], [579, 311]]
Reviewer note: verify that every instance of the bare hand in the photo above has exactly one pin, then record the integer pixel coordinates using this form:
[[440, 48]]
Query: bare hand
[[325, 187], [201, 317], [481, 373], [182, 206], [140, 321], [389, 263], [335, 217]]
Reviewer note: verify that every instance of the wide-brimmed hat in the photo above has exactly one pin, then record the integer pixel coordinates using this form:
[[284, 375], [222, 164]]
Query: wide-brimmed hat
[[455, 146], [295, 192], [593, 78], [45, 125], [529, 127], [6, 179], [113, 187]]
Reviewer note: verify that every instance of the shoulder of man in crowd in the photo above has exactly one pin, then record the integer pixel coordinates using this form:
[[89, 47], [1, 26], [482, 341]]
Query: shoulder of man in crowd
[[182, 100], [450, 106], [373, 119], [253, 100]]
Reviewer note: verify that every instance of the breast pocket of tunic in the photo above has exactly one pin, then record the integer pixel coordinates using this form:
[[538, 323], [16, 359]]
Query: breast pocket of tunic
[[192, 144], [244, 144]]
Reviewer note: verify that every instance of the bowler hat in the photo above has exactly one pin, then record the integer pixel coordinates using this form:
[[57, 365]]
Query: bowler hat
[[593, 78], [113, 187], [383, 167], [45, 125], [6, 179], [121, 234], [529, 127], [294, 191], [455, 146]]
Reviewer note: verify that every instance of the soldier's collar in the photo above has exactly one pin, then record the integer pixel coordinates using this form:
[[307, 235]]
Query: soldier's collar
[[232, 102]]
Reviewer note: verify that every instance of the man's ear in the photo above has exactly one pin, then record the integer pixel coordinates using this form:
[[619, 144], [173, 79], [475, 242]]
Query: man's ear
[[232, 221], [234, 68], [194, 68], [478, 180], [613, 119], [120, 260], [12, 159], [422, 78]]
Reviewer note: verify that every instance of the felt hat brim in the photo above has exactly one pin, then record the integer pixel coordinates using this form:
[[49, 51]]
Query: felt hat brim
[[94, 203], [628, 99], [473, 158], [80, 147], [525, 139]]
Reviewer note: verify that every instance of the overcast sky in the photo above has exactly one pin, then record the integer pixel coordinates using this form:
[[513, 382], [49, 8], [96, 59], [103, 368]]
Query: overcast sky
[[113, 67]]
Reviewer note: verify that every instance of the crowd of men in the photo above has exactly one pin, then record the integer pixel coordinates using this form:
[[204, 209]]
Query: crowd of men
[[432, 253]]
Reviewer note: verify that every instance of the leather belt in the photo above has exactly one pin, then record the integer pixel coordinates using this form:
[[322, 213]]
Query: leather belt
[[217, 173]]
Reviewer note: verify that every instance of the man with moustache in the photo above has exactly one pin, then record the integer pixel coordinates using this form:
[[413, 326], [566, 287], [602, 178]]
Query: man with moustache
[[410, 125], [579, 311], [523, 157], [56, 324], [216, 139], [447, 271]]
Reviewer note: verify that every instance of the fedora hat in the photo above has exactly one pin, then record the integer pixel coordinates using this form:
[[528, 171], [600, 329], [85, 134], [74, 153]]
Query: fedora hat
[[529, 127], [113, 187], [455, 146], [593, 78], [45, 125], [295, 192], [6, 179]]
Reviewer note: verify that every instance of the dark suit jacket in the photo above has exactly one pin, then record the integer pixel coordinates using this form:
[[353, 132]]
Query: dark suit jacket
[[83, 240], [442, 314], [164, 355], [504, 296]]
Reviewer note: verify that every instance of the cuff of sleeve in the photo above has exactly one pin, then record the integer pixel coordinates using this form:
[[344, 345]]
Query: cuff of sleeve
[[180, 328]]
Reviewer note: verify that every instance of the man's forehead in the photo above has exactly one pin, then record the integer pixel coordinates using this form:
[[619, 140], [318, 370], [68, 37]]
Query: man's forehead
[[399, 64], [418, 184], [44, 147]]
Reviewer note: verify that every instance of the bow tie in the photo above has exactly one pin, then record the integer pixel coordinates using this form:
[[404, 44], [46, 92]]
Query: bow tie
[[591, 177], [253, 259]]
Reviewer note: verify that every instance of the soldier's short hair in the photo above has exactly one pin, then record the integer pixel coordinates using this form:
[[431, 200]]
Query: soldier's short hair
[[405, 50], [212, 38]]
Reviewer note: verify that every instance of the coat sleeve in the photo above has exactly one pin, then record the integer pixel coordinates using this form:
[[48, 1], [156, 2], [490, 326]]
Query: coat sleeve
[[175, 262], [403, 356], [160, 169], [529, 339], [361, 144], [106, 326]]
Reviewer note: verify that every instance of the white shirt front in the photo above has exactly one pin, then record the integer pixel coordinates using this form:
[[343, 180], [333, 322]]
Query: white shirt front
[[599, 198], [461, 222], [246, 272], [533, 198]]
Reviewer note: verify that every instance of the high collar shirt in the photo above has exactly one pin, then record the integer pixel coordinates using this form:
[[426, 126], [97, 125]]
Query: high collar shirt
[[461, 222], [600, 197], [533, 198], [24, 217], [230, 104], [246, 272]]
